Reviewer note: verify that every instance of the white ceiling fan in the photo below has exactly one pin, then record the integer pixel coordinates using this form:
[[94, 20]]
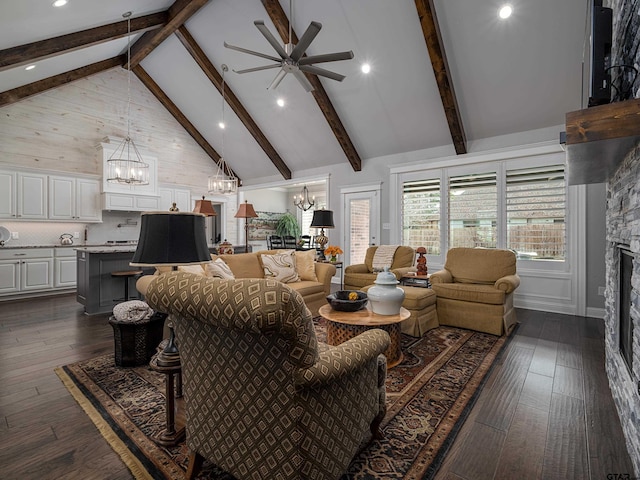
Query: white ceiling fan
[[292, 59]]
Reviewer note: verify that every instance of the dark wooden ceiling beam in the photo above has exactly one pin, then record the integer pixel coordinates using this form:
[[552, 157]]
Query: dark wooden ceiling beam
[[279, 19], [16, 94], [179, 12], [216, 78], [30, 52], [162, 97], [433, 38]]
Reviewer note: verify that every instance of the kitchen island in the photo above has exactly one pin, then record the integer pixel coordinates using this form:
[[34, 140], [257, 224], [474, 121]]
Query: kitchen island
[[97, 290]]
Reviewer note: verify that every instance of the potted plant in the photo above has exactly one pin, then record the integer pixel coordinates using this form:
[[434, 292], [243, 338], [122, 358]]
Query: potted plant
[[288, 225]]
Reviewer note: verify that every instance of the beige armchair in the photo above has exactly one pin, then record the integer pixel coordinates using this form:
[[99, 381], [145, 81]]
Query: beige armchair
[[475, 290], [360, 275], [263, 398]]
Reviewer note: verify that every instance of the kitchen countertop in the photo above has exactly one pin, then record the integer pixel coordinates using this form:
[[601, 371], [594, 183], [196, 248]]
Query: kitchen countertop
[[103, 246]]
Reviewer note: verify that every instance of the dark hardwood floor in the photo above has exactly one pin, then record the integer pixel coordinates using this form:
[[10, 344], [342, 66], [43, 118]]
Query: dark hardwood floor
[[545, 412]]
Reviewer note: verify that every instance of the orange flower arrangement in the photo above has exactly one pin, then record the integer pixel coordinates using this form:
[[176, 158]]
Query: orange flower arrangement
[[333, 250]]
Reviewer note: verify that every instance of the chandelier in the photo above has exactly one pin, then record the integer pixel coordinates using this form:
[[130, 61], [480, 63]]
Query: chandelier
[[224, 181], [125, 165], [303, 202]]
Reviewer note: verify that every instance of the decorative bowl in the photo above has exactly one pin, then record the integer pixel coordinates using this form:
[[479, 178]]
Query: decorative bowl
[[340, 300]]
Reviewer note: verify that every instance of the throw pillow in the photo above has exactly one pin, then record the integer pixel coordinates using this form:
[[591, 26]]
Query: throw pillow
[[197, 269], [280, 266], [218, 269], [306, 266]]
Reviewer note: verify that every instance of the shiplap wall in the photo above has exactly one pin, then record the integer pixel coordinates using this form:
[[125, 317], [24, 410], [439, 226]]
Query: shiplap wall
[[59, 130]]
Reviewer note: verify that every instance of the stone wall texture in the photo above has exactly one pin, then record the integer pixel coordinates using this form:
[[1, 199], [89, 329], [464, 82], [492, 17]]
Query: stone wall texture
[[625, 49], [623, 228]]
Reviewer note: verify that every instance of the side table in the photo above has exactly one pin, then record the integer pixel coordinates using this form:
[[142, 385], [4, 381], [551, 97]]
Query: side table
[[416, 281], [338, 266], [170, 436]]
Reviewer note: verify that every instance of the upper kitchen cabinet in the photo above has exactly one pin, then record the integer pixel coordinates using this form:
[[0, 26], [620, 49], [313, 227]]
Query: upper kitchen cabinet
[[76, 199], [180, 196], [23, 195]]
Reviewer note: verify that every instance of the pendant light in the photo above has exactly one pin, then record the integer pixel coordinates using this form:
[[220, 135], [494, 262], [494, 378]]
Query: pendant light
[[125, 164], [224, 182], [303, 202]]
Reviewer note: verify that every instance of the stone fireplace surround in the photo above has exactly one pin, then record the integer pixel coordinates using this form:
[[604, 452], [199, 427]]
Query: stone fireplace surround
[[623, 228]]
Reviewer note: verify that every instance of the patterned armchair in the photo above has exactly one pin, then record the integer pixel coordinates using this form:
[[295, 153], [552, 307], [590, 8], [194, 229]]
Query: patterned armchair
[[263, 398]]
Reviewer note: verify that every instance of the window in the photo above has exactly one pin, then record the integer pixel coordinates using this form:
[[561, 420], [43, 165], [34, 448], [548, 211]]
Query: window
[[536, 212], [473, 210], [421, 215], [520, 205]]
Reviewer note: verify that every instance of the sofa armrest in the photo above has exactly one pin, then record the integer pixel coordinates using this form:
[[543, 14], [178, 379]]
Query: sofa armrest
[[357, 268], [399, 272], [441, 276], [508, 284], [324, 272], [344, 359], [143, 283]]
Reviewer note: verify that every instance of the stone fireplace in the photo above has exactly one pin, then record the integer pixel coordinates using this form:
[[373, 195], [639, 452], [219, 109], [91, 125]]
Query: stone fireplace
[[622, 297]]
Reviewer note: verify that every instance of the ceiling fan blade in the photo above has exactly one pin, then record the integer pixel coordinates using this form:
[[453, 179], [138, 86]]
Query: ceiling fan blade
[[310, 33], [326, 57], [322, 72], [257, 69], [276, 81], [251, 52], [270, 38], [306, 84]]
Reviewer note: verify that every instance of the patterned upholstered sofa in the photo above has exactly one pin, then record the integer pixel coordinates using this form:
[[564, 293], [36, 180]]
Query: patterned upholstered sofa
[[264, 399]]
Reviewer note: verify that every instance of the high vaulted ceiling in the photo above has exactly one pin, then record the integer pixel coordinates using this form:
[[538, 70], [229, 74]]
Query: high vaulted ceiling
[[493, 77]]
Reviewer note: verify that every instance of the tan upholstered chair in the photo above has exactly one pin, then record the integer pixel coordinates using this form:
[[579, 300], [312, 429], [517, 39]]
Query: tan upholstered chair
[[360, 275], [264, 399], [475, 289]]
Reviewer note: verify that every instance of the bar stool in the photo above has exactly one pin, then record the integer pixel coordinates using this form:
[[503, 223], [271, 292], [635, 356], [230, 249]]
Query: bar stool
[[126, 275]]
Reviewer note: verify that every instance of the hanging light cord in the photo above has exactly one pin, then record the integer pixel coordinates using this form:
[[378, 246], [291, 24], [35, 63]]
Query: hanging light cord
[[127, 15]]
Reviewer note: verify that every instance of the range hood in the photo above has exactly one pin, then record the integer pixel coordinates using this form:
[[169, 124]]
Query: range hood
[[599, 138]]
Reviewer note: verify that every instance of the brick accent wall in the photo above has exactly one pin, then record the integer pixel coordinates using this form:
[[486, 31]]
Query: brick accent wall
[[623, 227]]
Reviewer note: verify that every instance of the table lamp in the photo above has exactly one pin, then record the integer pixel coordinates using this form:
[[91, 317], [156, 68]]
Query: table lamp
[[322, 219], [246, 211], [171, 239]]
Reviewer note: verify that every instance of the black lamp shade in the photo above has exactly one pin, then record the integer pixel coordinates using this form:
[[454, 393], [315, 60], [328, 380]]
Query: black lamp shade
[[322, 219], [171, 238]]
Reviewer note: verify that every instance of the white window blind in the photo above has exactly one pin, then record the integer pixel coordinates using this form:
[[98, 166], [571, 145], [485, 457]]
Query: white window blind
[[421, 215], [536, 199], [473, 210]]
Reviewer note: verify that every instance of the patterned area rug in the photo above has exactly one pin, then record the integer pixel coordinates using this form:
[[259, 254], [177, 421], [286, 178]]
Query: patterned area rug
[[428, 398]]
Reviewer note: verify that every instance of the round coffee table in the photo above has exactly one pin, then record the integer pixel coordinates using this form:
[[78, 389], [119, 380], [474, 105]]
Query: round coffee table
[[342, 326]]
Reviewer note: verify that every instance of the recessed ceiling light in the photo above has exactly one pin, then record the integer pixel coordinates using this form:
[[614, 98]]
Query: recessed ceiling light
[[366, 68], [59, 3], [280, 102], [29, 67], [221, 125], [505, 11]]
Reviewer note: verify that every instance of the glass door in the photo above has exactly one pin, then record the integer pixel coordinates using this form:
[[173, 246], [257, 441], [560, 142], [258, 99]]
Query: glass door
[[362, 224]]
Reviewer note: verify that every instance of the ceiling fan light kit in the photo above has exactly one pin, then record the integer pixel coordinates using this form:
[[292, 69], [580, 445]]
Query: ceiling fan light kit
[[292, 59]]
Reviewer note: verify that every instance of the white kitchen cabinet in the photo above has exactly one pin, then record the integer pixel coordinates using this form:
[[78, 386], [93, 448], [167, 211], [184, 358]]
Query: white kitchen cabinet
[[9, 276], [74, 199], [130, 202], [180, 196], [32, 196], [8, 208], [23, 195], [64, 268], [36, 274]]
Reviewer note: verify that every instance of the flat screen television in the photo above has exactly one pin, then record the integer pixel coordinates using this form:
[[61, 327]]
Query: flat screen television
[[601, 37]]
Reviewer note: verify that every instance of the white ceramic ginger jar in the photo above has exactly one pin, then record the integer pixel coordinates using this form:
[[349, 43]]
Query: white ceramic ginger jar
[[385, 297]]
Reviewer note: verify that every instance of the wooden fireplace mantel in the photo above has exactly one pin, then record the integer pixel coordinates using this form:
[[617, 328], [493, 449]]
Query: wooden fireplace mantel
[[598, 139]]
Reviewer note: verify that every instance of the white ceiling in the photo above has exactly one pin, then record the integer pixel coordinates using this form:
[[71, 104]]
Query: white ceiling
[[509, 76]]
